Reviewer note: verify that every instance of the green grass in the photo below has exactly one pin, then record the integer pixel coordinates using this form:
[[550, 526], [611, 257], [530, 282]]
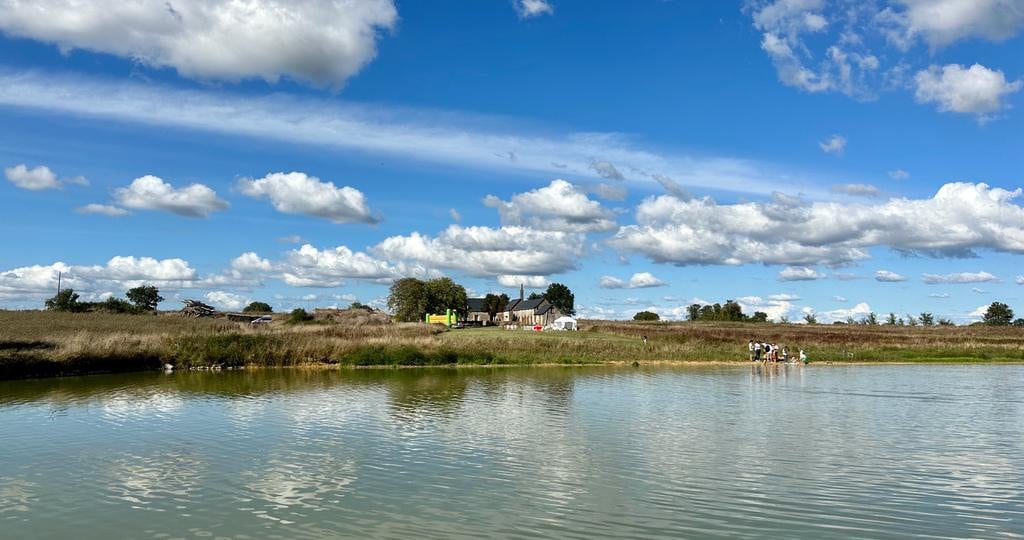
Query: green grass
[[36, 344]]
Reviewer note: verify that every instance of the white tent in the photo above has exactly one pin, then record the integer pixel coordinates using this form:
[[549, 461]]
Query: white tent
[[565, 323]]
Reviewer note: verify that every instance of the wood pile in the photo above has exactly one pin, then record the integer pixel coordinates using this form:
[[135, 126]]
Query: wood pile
[[195, 308]]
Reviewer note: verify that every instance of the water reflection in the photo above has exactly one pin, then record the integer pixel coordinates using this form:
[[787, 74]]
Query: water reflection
[[753, 451]]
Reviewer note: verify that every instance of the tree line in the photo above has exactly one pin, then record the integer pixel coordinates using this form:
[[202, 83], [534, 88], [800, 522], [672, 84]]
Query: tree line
[[411, 299], [142, 299]]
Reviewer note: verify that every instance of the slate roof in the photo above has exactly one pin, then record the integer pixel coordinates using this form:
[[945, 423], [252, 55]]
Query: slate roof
[[476, 305]]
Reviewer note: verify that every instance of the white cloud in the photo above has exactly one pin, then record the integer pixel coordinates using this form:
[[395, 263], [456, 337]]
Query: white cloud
[[958, 277], [33, 283], [609, 192], [839, 298], [958, 220], [941, 22], [102, 210], [560, 206], [454, 214], [530, 282], [152, 193], [899, 174], [888, 277], [533, 8], [440, 137], [939, 295], [800, 273], [835, 144], [977, 90], [775, 306], [639, 280], [299, 193], [39, 178], [227, 301], [312, 267], [1019, 280], [857, 190], [488, 252], [290, 239], [323, 42], [856, 312]]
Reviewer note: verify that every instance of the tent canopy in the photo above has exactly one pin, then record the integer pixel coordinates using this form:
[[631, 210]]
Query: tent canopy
[[565, 323]]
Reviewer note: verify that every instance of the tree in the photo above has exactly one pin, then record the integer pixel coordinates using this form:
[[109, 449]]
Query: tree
[[258, 307], [911, 321], [927, 319], [783, 320], [116, 305], [1019, 323], [444, 294], [946, 322], [66, 300], [145, 297], [646, 316], [561, 297], [759, 317], [810, 318], [732, 311], [494, 303], [407, 299], [871, 319], [693, 312], [998, 314], [891, 319], [535, 296], [298, 316]]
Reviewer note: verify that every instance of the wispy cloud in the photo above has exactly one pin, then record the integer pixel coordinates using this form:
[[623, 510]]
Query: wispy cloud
[[423, 135]]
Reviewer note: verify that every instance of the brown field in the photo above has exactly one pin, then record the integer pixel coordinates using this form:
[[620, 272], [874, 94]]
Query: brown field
[[35, 343]]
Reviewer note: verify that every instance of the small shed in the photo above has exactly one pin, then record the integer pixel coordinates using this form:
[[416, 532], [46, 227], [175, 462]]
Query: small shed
[[565, 323]]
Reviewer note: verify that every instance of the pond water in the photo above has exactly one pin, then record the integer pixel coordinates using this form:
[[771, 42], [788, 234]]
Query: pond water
[[818, 451]]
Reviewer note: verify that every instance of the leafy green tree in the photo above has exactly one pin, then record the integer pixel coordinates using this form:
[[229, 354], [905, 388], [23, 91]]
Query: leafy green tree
[[911, 320], [443, 294], [407, 299], [693, 312], [116, 305], [732, 311], [258, 307], [759, 317], [810, 318], [646, 316], [871, 319], [891, 319], [298, 316], [561, 297], [65, 300], [1019, 323], [998, 314], [356, 304], [145, 297], [535, 296], [946, 322], [927, 319], [495, 303]]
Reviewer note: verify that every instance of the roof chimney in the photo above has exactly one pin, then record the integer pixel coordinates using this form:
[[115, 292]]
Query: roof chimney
[[521, 291]]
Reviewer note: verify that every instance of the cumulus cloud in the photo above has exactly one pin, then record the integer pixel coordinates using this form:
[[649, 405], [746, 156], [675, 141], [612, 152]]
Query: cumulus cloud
[[857, 190], [102, 210], [899, 174], [888, 277], [119, 273], [227, 301], [856, 312], [39, 178], [775, 306], [639, 280], [533, 8], [800, 273], [488, 252], [942, 22], [976, 90], [153, 193], [835, 144], [299, 193], [1019, 280], [323, 42], [958, 220], [958, 277], [560, 206], [530, 282], [309, 266]]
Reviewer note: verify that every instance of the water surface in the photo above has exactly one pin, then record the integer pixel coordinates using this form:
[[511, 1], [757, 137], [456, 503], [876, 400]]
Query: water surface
[[822, 451]]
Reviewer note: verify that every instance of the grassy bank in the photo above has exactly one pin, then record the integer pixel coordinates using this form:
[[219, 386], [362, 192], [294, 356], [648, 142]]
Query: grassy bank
[[34, 344]]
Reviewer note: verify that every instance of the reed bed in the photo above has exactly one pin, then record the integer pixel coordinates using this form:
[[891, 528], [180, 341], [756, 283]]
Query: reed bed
[[36, 343]]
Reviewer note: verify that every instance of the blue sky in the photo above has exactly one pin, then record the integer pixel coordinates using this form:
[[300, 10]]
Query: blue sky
[[800, 155]]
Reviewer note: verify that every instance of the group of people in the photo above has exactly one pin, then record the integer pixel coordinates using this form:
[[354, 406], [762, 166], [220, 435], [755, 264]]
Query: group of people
[[761, 351]]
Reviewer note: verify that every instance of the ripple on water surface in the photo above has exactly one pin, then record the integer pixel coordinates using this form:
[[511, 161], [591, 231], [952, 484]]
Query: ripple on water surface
[[871, 452]]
